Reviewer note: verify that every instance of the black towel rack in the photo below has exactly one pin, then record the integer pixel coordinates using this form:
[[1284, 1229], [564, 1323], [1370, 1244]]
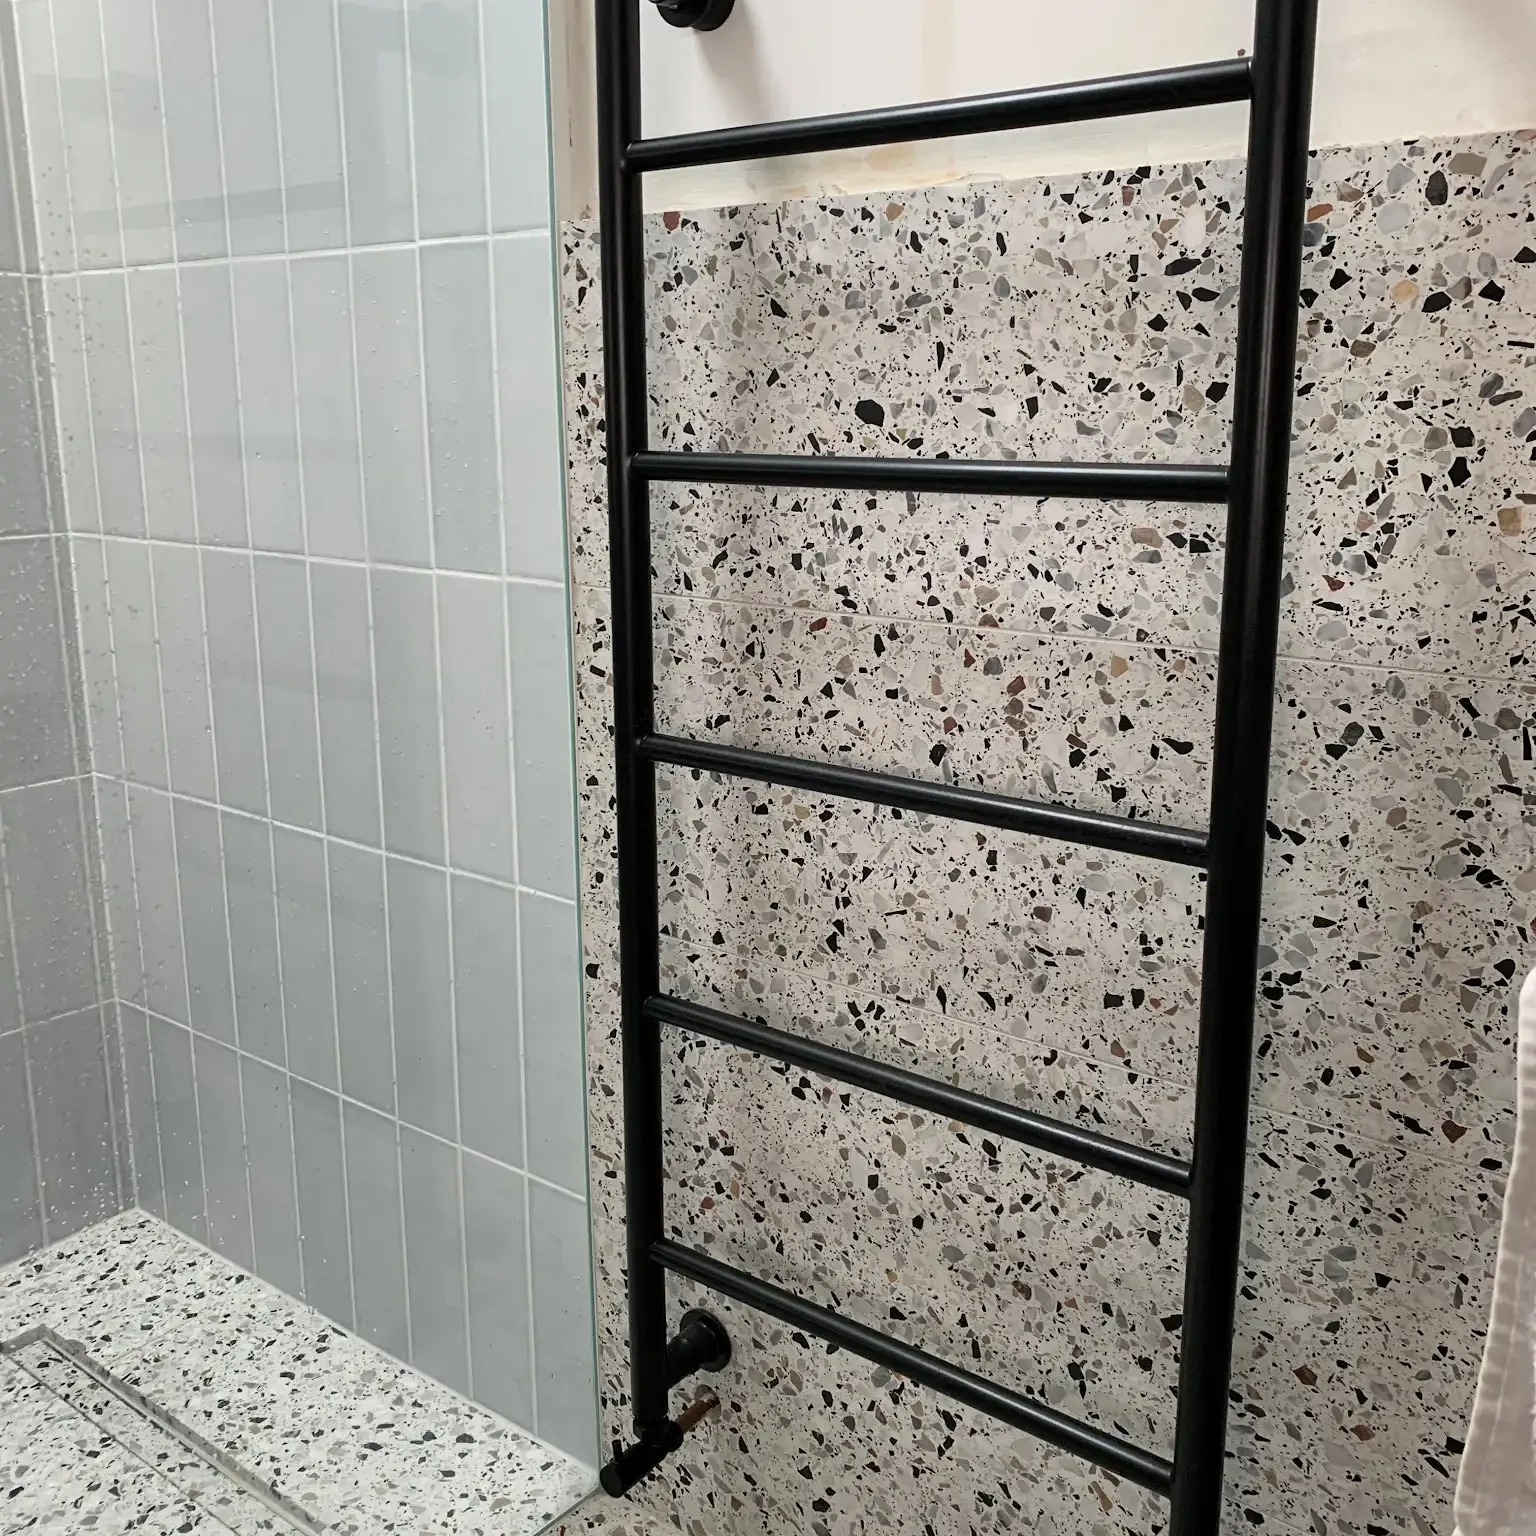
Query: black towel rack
[[1277, 81]]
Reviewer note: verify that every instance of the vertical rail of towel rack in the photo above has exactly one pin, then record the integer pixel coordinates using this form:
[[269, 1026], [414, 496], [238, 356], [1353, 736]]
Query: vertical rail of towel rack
[[623, 258], [1274, 200]]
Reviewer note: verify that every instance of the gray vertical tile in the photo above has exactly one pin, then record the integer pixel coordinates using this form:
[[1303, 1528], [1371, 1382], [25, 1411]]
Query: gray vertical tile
[[476, 732], [95, 626], [208, 335], [429, 1171], [405, 661], [268, 413], [45, 858], [45, 143], [16, 170], [496, 1247], [200, 867], [119, 890], [72, 402], [555, 1091], [314, 191], [17, 249], [376, 119], [143, 1124], [114, 421], [87, 133], [533, 462], [247, 94], [178, 584], [562, 1322], [541, 732], [360, 946], [447, 117], [159, 905], [34, 696], [461, 412], [10, 984], [23, 487], [138, 127], [181, 1153], [304, 927], [486, 1012], [344, 677], [253, 937], [117, 1107], [517, 115], [385, 295], [269, 1145], [217, 1070], [138, 661], [75, 1154], [378, 1245], [421, 986], [232, 670], [288, 690], [192, 128], [331, 462], [21, 1211], [154, 309], [322, 1202]]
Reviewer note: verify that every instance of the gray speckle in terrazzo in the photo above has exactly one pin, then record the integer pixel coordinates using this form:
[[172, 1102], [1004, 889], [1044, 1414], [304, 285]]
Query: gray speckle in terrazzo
[[351, 1436], [1064, 650]]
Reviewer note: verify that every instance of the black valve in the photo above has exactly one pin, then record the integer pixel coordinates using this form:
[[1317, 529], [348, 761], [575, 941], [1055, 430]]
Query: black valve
[[700, 1344], [701, 15]]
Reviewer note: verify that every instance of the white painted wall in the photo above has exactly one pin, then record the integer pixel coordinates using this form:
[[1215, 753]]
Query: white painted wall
[[1386, 69]]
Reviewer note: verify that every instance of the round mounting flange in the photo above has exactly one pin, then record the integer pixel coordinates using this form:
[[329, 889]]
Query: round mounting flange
[[696, 1323], [701, 15]]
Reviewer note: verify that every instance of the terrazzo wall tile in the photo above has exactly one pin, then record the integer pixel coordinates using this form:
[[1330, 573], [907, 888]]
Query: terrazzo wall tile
[[1063, 650]]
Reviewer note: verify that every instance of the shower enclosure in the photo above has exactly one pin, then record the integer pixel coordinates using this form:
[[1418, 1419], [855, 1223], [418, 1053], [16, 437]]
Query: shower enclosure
[[289, 966]]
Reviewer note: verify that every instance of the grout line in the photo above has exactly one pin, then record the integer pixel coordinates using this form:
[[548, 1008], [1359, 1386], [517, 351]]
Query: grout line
[[519, 958], [66, 530], [333, 12], [277, 916], [245, 495], [541, 232], [373, 677], [309, 595], [592, 590], [154, 607], [504, 536], [442, 735], [181, 344], [372, 1109], [344, 842], [339, 560]]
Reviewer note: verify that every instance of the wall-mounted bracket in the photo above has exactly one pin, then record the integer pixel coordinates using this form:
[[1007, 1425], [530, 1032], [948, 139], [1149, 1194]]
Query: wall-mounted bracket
[[701, 15]]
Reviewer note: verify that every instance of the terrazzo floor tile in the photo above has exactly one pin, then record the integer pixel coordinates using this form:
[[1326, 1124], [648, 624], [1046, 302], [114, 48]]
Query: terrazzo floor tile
[[60, 1471], [350, 1436]]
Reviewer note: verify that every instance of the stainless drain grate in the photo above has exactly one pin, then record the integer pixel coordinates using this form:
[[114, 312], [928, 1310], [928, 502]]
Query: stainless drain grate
[[224, 1490]]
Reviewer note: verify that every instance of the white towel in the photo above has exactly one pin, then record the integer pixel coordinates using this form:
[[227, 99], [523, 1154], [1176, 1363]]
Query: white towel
[[1496, 1491]]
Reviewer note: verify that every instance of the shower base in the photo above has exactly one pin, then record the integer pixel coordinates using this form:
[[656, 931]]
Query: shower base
[[146, 1384]]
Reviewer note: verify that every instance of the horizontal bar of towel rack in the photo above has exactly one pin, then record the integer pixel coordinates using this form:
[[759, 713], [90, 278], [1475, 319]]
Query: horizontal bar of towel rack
[[1158, 90], [1056, 1137], [974, 477], [1091, 829], [1014, 1408]]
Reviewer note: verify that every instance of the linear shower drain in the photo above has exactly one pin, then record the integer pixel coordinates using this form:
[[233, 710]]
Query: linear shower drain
[[224, 1491]]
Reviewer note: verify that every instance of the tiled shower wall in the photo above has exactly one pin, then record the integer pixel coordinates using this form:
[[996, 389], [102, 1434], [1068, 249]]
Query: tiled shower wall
[[298, 281], [1064, 650], [59, 1079]]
